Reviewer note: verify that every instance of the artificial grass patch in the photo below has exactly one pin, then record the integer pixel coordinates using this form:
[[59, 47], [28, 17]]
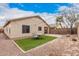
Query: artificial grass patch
[[29, 43]]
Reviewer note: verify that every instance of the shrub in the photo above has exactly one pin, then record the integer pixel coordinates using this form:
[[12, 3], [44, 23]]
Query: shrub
[[74, 39]]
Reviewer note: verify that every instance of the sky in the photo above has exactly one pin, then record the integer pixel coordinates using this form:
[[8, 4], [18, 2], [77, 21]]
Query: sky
[[48, 11], [39, 7]]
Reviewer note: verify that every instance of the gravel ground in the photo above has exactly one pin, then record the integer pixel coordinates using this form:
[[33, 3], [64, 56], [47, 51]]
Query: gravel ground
[[7, 47], [62, 46]]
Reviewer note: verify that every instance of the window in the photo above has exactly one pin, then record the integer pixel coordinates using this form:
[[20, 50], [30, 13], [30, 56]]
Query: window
[[39, 28], [9, 30], [25, 29]]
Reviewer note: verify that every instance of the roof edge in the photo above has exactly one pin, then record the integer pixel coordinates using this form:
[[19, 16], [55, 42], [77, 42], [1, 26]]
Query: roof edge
[[25, 18]]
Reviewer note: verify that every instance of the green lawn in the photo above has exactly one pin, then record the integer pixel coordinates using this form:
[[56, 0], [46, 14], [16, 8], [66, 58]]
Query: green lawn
[[29, 43]]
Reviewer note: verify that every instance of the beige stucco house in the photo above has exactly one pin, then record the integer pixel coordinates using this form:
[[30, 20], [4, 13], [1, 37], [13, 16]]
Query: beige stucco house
[[26, 27], [77, 26]]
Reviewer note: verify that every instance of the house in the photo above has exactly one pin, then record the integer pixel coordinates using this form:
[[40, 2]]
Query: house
[[26, 27]]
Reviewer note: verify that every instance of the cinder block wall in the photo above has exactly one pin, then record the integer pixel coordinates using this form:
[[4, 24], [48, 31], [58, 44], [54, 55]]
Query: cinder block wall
[[62, 31]]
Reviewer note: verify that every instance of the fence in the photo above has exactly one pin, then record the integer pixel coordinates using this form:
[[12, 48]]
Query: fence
[[62, 31]]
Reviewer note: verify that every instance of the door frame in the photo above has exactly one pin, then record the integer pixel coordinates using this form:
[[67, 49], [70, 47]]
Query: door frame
[[45, 30]]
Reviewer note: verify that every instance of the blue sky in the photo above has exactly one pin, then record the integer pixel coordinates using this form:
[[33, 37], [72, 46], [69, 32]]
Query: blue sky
[[46, 10], [39, 7]]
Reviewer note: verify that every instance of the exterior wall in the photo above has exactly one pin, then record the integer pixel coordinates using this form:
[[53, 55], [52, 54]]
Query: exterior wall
[[7, 30], [62, 31], [16, 27], [78, 31]]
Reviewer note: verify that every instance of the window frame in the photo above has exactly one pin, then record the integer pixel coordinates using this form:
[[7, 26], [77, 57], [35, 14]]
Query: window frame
[[39, 28], [25, 28]]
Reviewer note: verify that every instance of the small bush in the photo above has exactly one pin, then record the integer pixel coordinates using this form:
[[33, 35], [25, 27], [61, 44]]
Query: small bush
[[74, 39]]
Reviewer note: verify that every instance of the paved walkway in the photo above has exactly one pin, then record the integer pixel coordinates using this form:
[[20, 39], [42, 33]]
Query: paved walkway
[[7, 47]]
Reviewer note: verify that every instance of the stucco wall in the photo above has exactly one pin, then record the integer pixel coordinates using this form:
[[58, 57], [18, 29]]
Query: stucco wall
[[78, 31], [6, 30], [16, 27]]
